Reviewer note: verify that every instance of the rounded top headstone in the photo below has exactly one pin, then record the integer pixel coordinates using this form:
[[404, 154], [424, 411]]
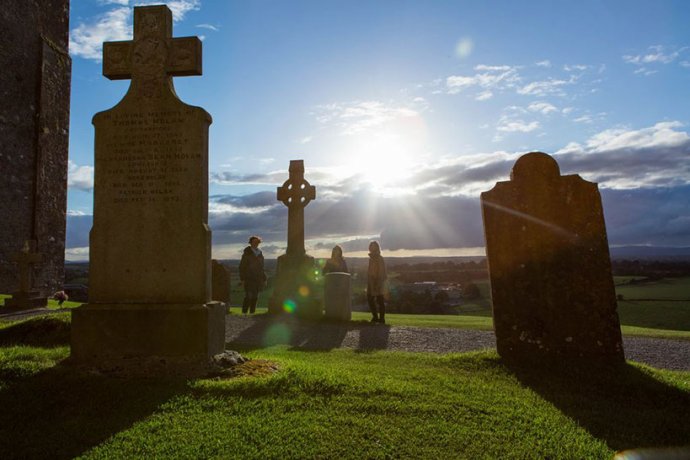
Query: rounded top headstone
[[535, 166]]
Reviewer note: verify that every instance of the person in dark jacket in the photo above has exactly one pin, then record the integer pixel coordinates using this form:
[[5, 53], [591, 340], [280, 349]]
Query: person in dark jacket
[[376, 283], [252, 274], [336, 263]]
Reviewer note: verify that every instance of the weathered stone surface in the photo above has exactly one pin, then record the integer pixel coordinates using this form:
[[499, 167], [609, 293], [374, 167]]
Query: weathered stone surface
[[337, 296], [551, 283], [150, 245], [26, 297], [34, 123], [221, 282], [294, 289]]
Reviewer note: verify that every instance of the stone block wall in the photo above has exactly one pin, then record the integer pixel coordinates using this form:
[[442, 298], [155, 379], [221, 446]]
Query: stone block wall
[[34, 127]]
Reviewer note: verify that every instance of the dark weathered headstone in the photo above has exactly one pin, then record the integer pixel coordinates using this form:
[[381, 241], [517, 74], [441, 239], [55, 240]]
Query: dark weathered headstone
[[337, 296], [34, 125], [551, 283], [221, 282], [26, 297], [150, 245], [293, 290]]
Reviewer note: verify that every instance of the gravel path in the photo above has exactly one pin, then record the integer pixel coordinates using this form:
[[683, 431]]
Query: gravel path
[[260, 331]]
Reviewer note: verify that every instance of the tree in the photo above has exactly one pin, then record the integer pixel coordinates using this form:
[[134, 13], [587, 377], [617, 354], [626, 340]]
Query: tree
[[471, 291]]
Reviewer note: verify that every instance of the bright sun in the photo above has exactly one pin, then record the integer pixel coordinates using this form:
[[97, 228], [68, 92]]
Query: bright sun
[[385, 155]]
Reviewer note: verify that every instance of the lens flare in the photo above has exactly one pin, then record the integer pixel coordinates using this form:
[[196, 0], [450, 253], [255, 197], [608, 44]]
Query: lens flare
[[276, 334], [289, 306], [303, 291]]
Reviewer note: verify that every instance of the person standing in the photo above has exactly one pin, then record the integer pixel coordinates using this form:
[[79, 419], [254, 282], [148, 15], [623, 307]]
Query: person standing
[[252, 274], [336, 263], [376, 283]]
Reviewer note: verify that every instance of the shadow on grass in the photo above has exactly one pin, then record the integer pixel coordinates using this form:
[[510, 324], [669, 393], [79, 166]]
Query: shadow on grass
[[43, 331], [62, 412], [621, 405], [307, 335]]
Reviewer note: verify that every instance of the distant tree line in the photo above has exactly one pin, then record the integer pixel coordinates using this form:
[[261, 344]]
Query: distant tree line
[[653, 269]]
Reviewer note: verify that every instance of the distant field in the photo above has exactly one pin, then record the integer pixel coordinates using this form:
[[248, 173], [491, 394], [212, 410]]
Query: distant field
[[668, 315]]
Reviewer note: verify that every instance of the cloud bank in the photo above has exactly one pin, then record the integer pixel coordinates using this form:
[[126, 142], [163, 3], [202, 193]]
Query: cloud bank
[[643, 174]]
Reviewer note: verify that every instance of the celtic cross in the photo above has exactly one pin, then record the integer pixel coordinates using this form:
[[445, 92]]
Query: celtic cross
[[296, 193]]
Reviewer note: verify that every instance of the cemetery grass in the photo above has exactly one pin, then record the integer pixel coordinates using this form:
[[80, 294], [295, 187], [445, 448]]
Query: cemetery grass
[[337, 404]]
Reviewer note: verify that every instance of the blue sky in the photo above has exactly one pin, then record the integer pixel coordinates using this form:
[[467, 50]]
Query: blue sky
[[405, 111]]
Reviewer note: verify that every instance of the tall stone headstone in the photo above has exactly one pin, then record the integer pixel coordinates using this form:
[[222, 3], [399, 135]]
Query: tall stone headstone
[[34, 126], [150, 245], [551, 283], [293, 288]]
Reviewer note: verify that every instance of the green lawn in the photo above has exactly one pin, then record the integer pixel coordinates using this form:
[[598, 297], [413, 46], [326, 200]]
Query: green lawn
[[337, 404], [52, 304]]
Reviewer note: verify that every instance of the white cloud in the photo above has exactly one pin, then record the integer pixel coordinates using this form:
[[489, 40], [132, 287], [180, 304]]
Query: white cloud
[[512, 126], [685, 64], [583, 119], [484, 95], [645, 71], [544, 63], [655, 54], [360, 116], [543, 87], [77, 254], [86, 40], [179, 8], [575, 67], [498, 77], [71, 212], [80, 177], [208, 26], [542, 107], [306, 140], [661, 135]]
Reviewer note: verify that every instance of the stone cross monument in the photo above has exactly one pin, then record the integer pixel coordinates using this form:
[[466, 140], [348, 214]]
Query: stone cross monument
[[25, 297], [551, 283], [293, 290], [296, 193], [150, 245]]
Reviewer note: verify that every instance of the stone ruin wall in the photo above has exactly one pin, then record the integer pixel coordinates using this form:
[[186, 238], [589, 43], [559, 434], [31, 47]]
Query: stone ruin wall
[[34, 126]]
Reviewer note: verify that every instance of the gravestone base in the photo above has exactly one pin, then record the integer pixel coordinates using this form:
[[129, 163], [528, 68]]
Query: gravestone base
[[338, 296], [294, 288], [26, 300], [112, 332]]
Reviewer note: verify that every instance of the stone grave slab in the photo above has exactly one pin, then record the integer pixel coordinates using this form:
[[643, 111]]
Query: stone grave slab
[[337, 296], [551, 283]]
